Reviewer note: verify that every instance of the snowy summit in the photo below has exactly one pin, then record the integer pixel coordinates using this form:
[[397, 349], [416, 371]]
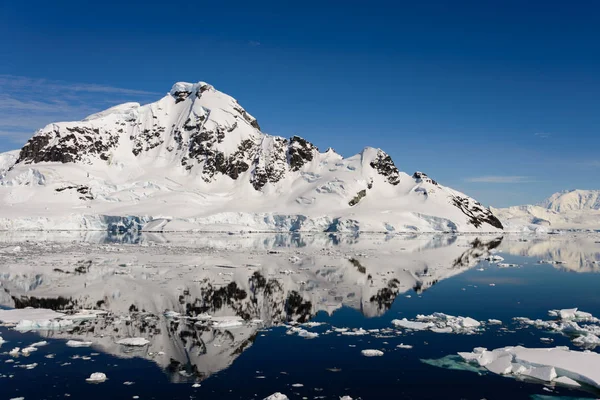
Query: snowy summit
[[197, 160]]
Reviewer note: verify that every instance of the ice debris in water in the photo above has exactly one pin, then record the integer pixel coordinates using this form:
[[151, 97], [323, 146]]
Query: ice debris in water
[[404, 346], [276, 396], [294, 330], [77, 343], [372, 353], [582, 327], [494, 258], [97, 377], [227, 322], [137, 341], [548, 365], [440, 323]]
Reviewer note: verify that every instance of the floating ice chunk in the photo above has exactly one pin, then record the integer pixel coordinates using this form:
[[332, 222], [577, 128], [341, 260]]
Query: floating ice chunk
[[494, 322], [546, 374], [542, 364], [77, 343], [294, 330], [446, 329], [18, 398], [28, 350], [14, 352], [404, 346], [406, 324], [566, 381], [196, 385], [345, 398], [371, 353], [2, 340], [276, 396], [96, 377], [38, 344], [137, 341], [28, 366], [501, 366], [227, 322], [297, 385], [312, 324], [356, 332], [494, 258]]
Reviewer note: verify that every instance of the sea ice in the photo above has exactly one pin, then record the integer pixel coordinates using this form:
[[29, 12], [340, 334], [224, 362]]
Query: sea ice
[[541, 364], [276, 396], [372, 353], [133, 341], [227, 322], [404, 346], [77, 343], [96, 377]]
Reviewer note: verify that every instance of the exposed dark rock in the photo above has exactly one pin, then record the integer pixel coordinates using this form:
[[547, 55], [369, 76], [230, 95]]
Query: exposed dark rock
[[181, 96], [384, 165], [476, 213], [300, 151], [422, 177], [68, 146], [359, 196]]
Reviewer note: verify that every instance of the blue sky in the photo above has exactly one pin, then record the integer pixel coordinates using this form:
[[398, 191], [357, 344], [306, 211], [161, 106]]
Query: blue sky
[[499, 99]]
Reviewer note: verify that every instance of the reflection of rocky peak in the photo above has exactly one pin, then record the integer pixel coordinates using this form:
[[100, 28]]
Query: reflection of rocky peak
[[275, 282]]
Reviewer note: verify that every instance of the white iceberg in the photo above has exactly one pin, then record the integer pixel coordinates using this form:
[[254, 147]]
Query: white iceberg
[[77, 343], [548, 365], [371, 353], [276, 396], [96, 377], [137, 341]]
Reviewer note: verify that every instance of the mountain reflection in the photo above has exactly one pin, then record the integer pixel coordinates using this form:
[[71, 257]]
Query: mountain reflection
[[172, 289]]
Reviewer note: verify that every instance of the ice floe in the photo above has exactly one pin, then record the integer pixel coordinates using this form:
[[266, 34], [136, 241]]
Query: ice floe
[[371, 353], [276, 396], [96, 377], [548, 365], [440, 323], [77, 343], [582, 327], [404, 346], [137, 341], [294, 330]]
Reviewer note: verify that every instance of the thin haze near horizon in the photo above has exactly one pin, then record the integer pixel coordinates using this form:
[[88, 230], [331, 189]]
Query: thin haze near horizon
[[496, 99]]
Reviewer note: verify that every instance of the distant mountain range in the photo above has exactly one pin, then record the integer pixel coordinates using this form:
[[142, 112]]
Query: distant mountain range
[[197, 160], [571, 209]]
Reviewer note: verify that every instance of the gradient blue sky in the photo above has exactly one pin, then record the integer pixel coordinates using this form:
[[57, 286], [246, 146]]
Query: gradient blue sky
[[499, 99]]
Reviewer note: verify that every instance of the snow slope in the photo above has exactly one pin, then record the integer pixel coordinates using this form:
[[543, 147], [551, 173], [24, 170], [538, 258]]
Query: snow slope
[[574, 209], [196, 160]]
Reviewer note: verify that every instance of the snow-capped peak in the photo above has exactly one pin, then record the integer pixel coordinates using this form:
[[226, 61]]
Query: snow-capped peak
[[199, 144], [573, 200]]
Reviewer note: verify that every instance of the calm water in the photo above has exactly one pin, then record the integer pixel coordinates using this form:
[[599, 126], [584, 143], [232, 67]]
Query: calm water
[[435, 274]]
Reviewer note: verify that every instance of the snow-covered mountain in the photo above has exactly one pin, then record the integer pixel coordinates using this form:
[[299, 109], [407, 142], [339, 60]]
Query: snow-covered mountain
[[197, 160], [571, 209]]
